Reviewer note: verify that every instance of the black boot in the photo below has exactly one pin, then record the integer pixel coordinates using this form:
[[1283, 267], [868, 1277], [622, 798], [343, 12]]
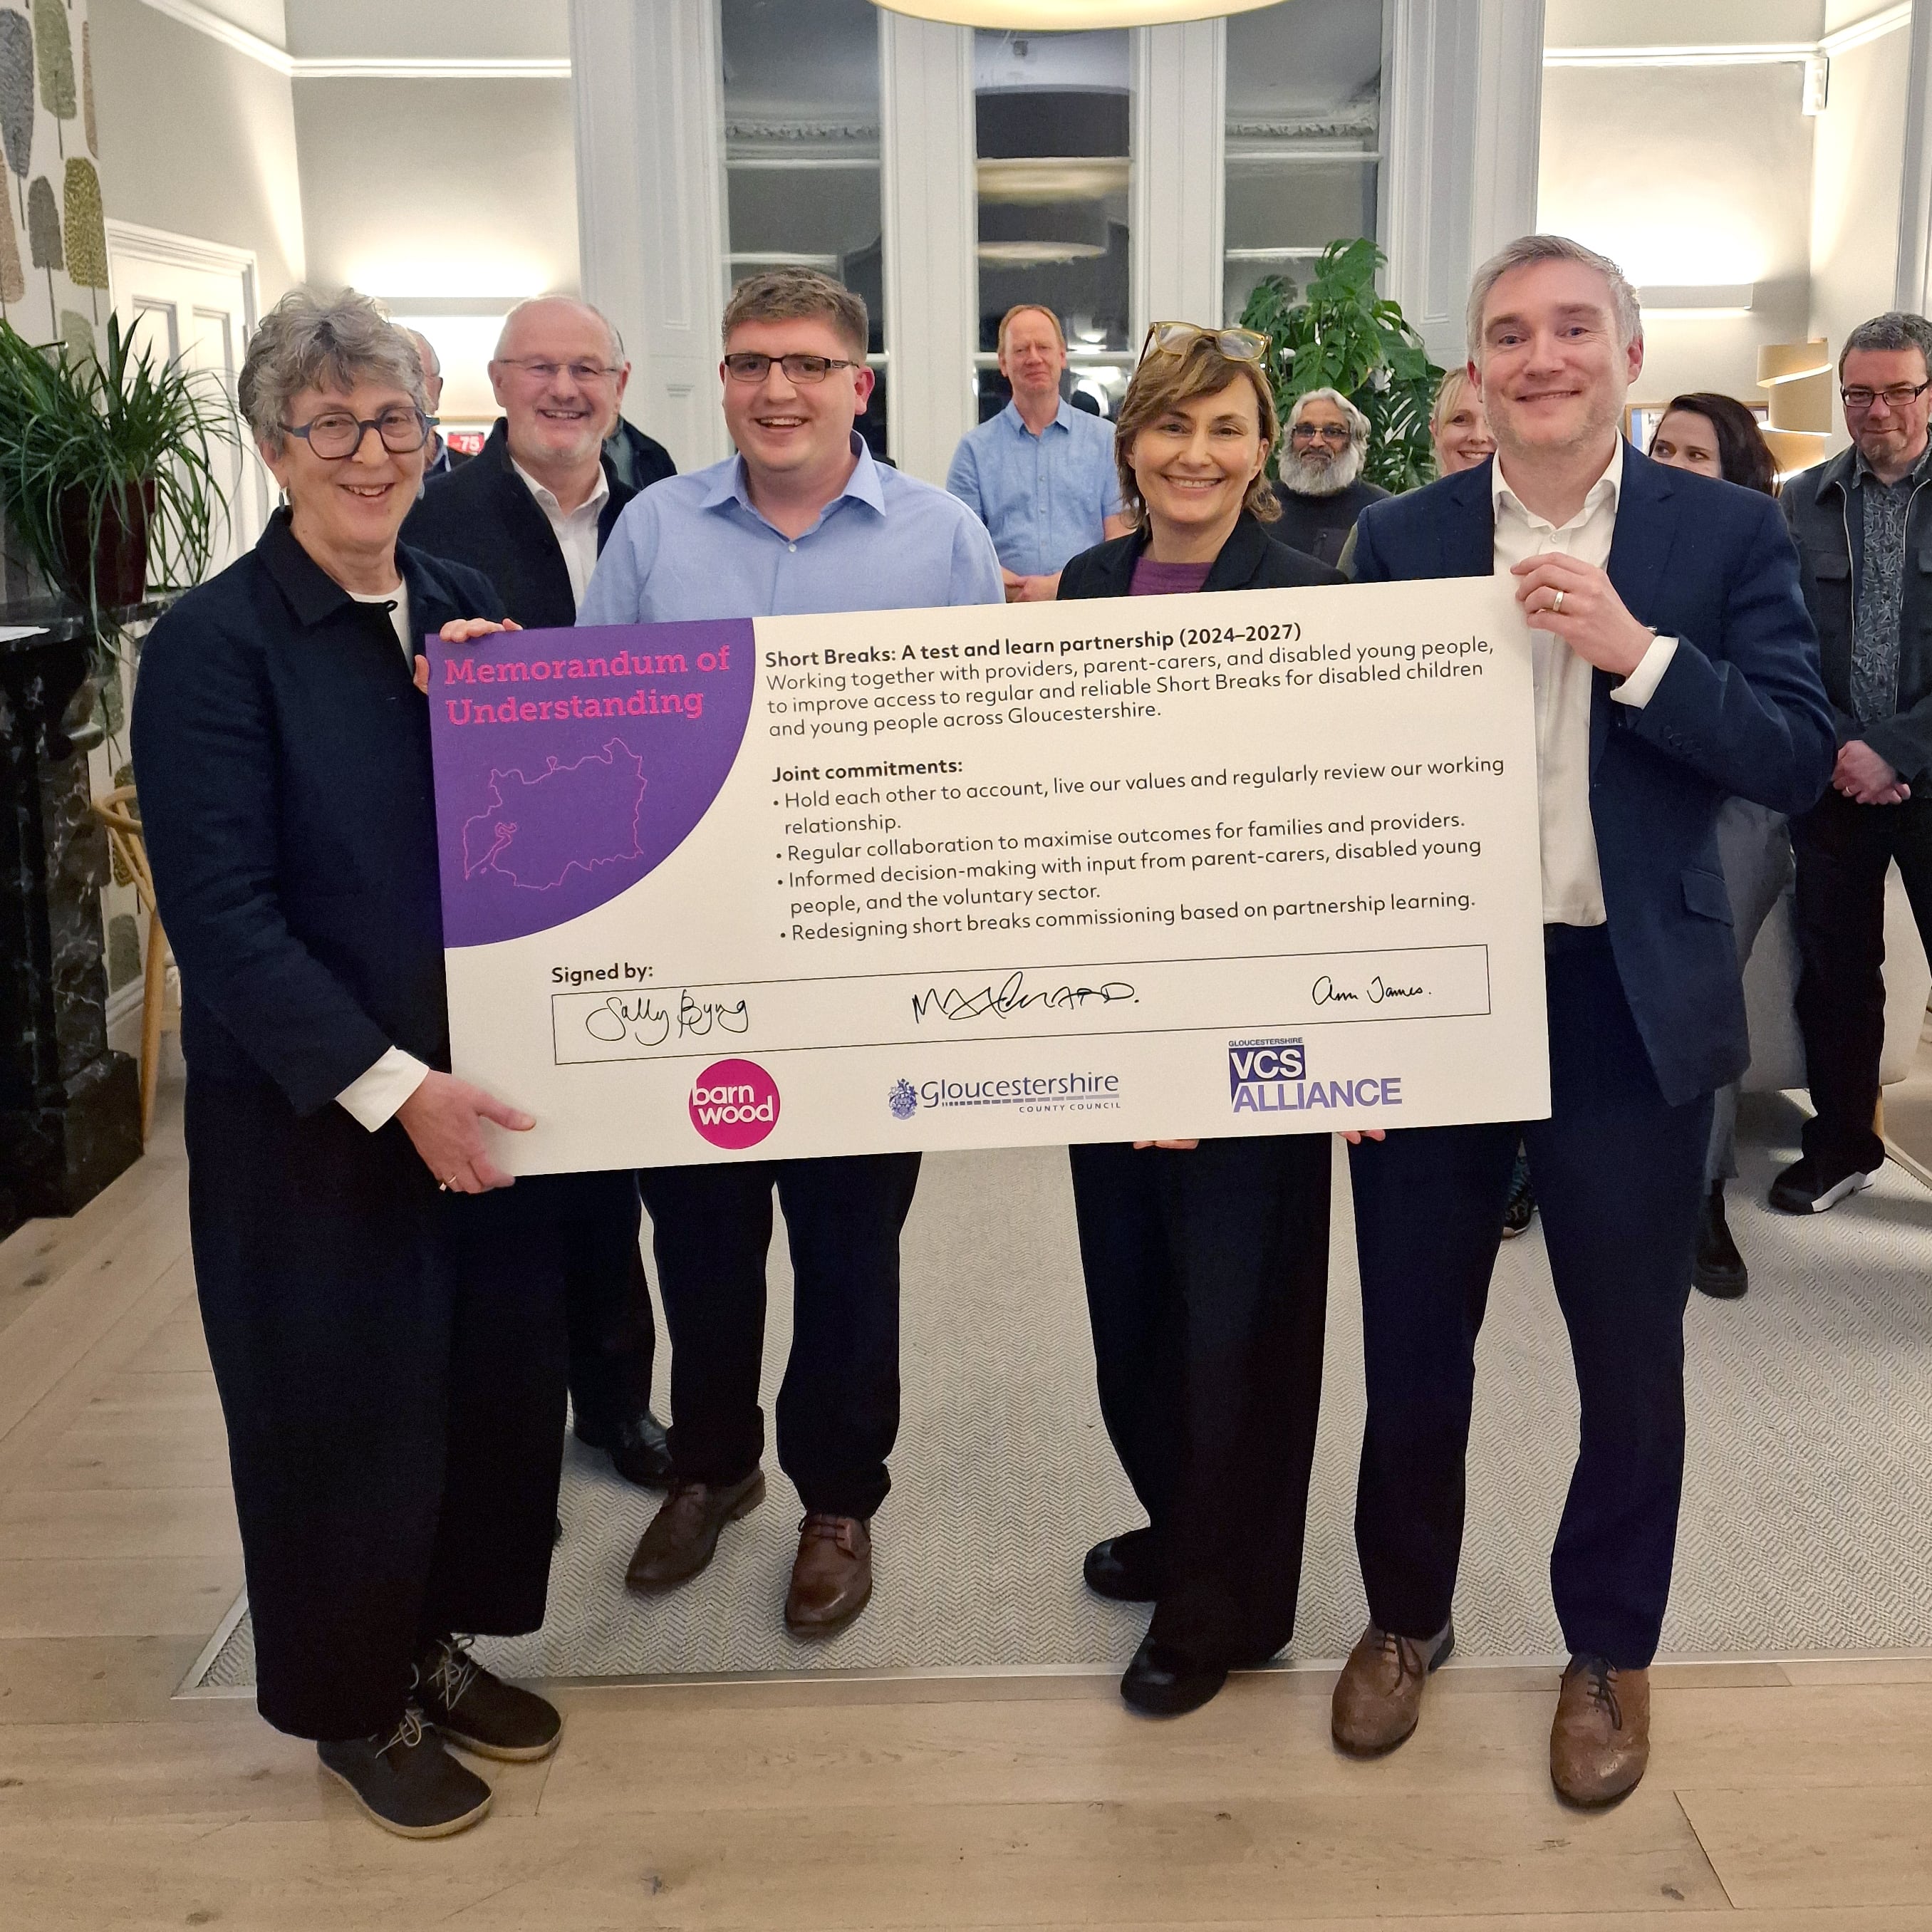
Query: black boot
[[1719, 1269], [474, 1708]]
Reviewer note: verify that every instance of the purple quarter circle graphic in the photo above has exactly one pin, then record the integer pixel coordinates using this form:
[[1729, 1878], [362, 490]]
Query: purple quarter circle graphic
[[570, 764]]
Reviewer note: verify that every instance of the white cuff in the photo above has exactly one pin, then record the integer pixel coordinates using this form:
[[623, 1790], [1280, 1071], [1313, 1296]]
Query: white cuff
[[1640, 686], [375, 1096]]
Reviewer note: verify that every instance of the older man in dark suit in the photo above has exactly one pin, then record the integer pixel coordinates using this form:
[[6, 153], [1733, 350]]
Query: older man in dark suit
[[531, 512], [1675, 664]]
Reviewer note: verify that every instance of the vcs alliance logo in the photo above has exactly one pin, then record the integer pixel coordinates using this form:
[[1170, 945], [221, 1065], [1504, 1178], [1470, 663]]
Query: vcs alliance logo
[[734, 1103]]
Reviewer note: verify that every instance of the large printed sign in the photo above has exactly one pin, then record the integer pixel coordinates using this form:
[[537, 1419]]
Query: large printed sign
[[1263, 862]]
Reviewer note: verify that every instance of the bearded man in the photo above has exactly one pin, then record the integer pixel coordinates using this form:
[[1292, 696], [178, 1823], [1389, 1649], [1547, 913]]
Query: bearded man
[[1321, 489]]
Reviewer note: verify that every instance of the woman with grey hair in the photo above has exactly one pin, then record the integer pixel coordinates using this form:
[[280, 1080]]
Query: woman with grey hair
[[383, 1311], [1320, 487]]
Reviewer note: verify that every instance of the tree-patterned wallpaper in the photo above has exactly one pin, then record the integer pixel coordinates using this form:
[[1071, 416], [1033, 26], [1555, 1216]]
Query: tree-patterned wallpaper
[[53, 240]]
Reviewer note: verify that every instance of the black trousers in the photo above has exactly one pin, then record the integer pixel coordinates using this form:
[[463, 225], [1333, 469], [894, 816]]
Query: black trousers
[[614, 1334], [391, 1364], [838, 1411], [1208, 1284], [1619, 1174], [1843, 851]]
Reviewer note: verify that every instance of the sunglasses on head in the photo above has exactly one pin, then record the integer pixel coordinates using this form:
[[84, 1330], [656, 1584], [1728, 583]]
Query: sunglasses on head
[[1175, 338]]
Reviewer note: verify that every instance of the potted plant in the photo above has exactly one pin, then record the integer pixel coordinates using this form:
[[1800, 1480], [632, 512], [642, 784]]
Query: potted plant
[[109, 468], [1342, 335]]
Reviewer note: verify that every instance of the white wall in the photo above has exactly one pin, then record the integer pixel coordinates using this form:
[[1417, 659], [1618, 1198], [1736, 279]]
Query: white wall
[[1855, 190], [196, 138], [1709, 180], [423, 29], [1657, 23]]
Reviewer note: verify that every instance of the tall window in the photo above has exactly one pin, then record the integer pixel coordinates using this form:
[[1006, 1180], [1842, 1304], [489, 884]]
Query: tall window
[[801, 152], [1051, 116], [1303, 125]]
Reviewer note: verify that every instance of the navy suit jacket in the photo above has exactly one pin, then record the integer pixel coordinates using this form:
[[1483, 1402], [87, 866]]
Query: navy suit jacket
[[1741, 709], [287, 796]]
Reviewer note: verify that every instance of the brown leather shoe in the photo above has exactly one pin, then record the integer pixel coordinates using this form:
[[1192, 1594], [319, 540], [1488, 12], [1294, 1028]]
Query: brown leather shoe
[[683, 1534], [832, 1579], [1599, 1743], [1378, 1695]]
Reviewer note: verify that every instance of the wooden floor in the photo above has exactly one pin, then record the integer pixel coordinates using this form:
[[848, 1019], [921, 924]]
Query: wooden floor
[[1788, 1797]]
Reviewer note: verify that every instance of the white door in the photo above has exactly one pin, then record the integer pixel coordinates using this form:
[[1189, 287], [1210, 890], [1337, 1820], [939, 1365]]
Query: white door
[[196, 300]]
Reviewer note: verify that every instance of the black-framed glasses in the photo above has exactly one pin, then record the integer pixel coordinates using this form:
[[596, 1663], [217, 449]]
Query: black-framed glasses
[[585, 374], [1173, 338], [1338, 433], [335, 433], [746, 365], [1900, 396]]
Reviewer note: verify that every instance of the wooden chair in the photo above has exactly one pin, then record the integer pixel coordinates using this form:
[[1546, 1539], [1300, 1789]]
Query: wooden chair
[[119, 812]]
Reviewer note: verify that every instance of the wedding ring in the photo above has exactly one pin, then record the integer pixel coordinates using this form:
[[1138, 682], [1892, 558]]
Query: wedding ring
[[1558, 604], [444, 1187]]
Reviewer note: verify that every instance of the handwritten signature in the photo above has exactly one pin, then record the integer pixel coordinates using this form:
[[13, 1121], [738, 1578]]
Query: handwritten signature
[[646, 1020], [1012, 995], [1324, 990]]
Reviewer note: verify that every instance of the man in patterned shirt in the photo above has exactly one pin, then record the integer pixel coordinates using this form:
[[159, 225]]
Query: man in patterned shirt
[[1863, 523]]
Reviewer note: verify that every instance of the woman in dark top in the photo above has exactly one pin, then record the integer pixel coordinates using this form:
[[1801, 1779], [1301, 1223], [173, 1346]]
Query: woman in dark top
[[1717, 435], [1207, 1262], [383, 1311]]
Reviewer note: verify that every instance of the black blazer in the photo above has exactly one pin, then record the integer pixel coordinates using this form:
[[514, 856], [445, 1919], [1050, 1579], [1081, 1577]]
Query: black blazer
[[1250, 559], [1741, 710], [483, 515], [283, 758]]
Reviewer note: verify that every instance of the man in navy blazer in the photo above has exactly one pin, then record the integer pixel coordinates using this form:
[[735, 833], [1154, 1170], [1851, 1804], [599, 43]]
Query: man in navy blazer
[[1674, 664]]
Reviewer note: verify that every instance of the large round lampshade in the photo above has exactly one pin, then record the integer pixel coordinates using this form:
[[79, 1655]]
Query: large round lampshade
[[1064, 16]]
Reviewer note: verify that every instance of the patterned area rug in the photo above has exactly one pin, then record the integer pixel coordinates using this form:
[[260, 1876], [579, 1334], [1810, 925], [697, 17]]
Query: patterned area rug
[[1807, 1512]]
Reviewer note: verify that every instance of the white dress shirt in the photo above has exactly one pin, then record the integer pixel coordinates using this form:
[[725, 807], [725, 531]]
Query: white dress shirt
[[575, 530], [1573, 883]]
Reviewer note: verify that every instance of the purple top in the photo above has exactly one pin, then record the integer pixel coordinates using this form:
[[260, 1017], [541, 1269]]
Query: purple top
[[1167, 580]]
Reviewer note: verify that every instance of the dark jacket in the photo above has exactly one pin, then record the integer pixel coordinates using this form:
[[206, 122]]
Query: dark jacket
[[1320, 525], [1822, 509], [1250, 559], [286, 793], [484, 516], [1741, 709]]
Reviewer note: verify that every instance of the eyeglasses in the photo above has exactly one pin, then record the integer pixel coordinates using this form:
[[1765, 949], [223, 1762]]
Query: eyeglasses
[[335, 433], [1337, 434], [1900, 396], [747, 366], [1175, 338], [585, 375]]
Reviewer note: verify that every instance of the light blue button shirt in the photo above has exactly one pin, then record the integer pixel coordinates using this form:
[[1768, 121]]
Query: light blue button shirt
[[1043, 497], [693, 546]]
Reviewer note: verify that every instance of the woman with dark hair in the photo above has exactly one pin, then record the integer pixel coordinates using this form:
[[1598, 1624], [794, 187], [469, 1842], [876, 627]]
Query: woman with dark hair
[[1716, 436], [1207, 1262], [384, 1312]]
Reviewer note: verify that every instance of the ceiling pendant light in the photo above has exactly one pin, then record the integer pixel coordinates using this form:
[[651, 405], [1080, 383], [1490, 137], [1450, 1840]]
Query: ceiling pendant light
[[1065, 16]]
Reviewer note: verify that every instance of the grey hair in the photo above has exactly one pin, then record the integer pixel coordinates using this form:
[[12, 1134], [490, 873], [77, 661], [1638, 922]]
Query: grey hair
[[318, 339], [1358, 424], [1897, 328], [1528, 248], [575, 301]]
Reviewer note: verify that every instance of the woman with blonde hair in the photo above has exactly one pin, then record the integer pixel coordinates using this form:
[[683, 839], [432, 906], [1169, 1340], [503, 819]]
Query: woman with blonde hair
[[1206, 1262], [1459, 426]]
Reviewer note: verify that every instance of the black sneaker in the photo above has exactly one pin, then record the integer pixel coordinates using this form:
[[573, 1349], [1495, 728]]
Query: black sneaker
[[1806, 1187], [1520, 1209], [406, 1782], [479, 1712], [1719, 1270]]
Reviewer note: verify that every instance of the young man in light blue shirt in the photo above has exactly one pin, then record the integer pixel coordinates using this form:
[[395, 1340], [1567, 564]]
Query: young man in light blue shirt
[[1040, 475], [800, 520]]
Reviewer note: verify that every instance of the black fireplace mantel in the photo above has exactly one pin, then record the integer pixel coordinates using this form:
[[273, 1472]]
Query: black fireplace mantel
[[69, 1105]]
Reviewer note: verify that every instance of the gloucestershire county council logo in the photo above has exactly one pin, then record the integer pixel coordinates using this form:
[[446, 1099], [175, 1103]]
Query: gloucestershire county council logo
[[734, 1103], [903, 1099]]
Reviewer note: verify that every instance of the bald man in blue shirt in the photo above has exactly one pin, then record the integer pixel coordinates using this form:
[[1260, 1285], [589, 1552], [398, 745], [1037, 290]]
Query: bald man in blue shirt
[[801, 520]]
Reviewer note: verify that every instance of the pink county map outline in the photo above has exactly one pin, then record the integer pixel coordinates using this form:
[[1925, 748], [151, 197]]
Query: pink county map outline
[[534, 831]]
